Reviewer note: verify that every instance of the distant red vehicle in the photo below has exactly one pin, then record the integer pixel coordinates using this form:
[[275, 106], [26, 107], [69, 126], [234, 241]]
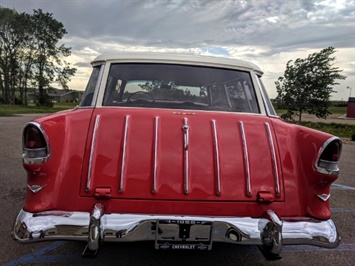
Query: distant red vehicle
[[181, 150]]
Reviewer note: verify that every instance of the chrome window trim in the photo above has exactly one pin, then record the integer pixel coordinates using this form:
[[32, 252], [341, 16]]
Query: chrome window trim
[[93, 146], [180, 110], [96, 89], [37, 160], [246, 158], [97, 63], [259, 97], [251, 72], [264, 98], [84, 107], [97, 86]]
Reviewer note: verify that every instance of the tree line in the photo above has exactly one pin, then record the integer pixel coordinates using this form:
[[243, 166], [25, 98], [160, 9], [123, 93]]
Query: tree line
[[31, 57]]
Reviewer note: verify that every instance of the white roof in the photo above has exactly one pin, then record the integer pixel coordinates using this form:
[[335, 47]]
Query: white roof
[[140, 57]]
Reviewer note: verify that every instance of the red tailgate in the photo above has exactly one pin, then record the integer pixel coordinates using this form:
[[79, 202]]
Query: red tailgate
[[175, 155]]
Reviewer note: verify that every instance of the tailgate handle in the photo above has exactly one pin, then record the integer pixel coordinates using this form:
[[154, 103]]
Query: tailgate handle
[[103, 192], [265, 197]]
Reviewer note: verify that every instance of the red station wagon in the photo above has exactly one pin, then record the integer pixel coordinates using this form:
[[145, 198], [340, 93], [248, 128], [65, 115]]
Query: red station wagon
[[181, 150]]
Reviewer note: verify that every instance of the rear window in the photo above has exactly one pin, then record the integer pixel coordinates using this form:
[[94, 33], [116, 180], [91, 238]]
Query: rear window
[[180, 87]]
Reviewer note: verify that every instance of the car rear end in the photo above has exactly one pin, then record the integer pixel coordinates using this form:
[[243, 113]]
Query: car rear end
[[179, 150]]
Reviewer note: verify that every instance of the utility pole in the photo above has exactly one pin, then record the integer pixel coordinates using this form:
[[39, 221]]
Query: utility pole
[[350, 90]]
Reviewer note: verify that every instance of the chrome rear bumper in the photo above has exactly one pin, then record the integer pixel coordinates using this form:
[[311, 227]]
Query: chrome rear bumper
[[269, 231]]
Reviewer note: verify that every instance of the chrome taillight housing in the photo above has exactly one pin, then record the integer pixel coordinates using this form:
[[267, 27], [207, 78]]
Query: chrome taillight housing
[[35, 144], [329, 156]]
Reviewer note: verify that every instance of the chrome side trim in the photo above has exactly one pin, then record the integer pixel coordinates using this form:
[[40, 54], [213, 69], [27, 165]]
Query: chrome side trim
[[265, 98], [216, 153], [246, 159], [181, 111], [185, 127], [39, 160], [156, 133], [268, 229], [124, 147], [273, 156], [326, 167], [323, 197], [97, 86], [35, 188], [93, 145], [35, 160], [186, 134]]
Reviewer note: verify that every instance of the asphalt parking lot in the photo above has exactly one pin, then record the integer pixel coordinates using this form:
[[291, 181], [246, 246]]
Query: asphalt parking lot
[[12, 196]]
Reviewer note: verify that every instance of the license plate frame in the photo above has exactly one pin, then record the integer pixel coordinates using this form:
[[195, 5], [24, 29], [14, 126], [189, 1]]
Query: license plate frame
[[179, 234]]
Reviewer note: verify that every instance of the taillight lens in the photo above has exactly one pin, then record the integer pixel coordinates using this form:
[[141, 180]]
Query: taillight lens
[[328, 157], [33, 138], [332, 152], [35, 144]]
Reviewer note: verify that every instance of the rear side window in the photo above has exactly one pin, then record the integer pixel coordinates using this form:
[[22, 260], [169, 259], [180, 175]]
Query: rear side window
[[180, 87], [266, 99], [90, 87]]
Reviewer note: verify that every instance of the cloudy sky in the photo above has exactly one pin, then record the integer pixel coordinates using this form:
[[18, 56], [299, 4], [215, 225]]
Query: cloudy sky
[[267, 33]]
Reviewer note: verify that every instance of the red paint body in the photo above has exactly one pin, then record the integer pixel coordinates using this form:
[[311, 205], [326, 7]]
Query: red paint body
[[70, 137]]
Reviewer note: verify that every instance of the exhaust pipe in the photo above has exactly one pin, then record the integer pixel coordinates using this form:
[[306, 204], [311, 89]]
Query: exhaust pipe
[[234, 235]]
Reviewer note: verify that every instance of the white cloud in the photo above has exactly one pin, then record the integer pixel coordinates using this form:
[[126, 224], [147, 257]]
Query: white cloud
[[268, 33]]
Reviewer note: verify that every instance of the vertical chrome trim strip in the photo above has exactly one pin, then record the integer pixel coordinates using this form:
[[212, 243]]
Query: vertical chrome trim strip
[[273, 155], [123, 162], [186, 156], [156, 128], [216, 151], [246, 158], [265, 98], [93, 145], [97, 86]]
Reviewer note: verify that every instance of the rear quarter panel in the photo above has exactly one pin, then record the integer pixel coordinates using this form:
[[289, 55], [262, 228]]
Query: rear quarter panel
[[67, 132], [299, 147]]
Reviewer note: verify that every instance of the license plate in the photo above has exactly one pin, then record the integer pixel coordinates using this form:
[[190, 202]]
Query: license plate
[[183, 234]]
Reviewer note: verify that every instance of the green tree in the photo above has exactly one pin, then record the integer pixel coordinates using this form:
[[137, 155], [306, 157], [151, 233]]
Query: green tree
[[307, 85], [30, 55], [167, 90], [25, 57], [50, 64], [12, 36]]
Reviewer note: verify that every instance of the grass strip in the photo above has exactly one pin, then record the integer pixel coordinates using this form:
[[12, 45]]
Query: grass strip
[[340, 130], [11, 110]]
